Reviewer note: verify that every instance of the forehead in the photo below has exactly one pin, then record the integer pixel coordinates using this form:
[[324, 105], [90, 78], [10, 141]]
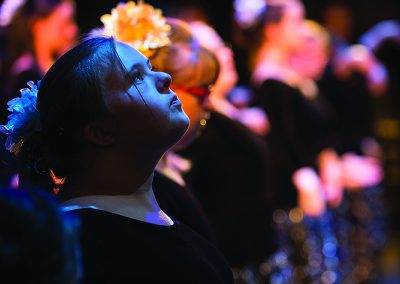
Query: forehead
[[129, 56]]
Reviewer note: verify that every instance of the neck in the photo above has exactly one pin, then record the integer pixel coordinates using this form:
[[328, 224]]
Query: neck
[[115, 174], [146, 205], [144, 196], [140, 205], [111, 173]]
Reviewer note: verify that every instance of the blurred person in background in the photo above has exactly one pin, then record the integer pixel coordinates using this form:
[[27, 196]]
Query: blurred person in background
[[38, 242], [359, 175], [383, 39], [295, 119], [36, 32], [296, 140], [252, 117]]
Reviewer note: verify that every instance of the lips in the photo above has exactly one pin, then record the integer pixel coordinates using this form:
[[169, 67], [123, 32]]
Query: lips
[[176, 102], [174, 99]]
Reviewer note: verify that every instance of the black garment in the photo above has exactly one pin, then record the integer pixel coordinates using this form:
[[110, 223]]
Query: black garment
[[229, 178], [388, 116], [180, 203], [118, 249], [298, 134], [388, 53], [350, 101]]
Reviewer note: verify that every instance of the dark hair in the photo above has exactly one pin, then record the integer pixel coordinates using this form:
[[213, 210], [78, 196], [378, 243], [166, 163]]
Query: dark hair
[[38, 243], [18, 32], [70, 96]]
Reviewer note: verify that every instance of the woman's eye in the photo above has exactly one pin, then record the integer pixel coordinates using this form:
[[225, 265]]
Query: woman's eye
[[137, 77]]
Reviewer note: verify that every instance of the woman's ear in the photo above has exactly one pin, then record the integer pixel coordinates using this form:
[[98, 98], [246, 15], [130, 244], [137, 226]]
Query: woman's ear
[[100, 133]]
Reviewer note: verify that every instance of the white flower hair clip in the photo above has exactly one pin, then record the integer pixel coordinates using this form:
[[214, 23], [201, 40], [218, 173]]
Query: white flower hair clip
[[24, 118]]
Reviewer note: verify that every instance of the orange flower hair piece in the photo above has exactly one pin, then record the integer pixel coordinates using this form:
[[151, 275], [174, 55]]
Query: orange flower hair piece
[[139, 25]]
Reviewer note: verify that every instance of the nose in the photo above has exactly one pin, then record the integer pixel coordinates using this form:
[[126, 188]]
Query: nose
[[163, 82]]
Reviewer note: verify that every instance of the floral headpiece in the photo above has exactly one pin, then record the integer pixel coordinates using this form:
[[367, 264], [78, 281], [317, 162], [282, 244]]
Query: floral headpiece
[[139, 25], [24, 117]]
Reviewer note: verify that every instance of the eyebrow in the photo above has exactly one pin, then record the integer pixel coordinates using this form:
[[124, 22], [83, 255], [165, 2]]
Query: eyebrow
[[139, 64]]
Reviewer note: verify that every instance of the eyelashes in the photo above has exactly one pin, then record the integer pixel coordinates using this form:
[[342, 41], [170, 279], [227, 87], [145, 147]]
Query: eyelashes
[[136, 77]]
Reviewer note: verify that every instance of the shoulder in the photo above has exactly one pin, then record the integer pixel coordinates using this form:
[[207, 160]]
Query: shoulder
[[117, 249], [94, 219]]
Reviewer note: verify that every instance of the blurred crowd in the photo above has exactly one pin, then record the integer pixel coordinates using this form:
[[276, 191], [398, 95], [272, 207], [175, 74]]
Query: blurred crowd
[[289, 168]]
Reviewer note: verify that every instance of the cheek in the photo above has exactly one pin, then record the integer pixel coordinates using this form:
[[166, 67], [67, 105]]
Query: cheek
[[124, 104]]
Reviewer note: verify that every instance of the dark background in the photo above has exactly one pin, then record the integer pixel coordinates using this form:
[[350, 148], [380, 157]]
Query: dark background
[[364, 13]]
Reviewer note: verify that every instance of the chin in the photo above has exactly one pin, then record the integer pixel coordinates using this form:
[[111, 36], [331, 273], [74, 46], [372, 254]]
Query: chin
[[190, 135], [179, 129]]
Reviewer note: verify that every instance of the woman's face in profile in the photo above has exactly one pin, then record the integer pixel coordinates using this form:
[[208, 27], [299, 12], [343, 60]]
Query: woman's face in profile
[[146, 108]]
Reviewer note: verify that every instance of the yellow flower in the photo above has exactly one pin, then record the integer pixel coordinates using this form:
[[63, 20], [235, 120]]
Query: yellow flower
[[139, 25]]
